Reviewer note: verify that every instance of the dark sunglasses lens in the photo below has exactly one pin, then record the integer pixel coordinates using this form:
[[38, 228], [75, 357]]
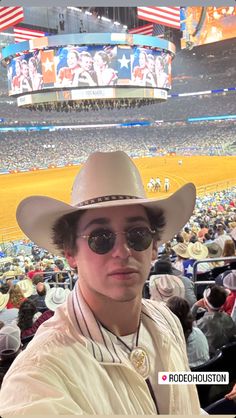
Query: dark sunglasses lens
[[139, 239], [101, 241]]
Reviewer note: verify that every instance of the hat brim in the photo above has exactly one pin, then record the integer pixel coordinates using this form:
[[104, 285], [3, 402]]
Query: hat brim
[[5, 299], [36, 215]]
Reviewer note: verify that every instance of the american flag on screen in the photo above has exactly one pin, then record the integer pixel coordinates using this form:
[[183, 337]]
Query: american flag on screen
[[24, 34], [10, 16], [152, 29], [167, 16]]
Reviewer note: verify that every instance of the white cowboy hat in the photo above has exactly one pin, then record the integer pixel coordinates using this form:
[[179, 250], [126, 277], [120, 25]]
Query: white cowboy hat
[[197, 251], [230, 280], [163, 286], [4, 298], [10, 340], [26, 287], [214, 250], [55, 297], [106, 179], [181, 249]]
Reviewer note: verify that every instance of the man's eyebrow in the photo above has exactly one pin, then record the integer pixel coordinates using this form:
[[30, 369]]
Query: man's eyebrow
[[107, 221], [136, 219], [97, 221]]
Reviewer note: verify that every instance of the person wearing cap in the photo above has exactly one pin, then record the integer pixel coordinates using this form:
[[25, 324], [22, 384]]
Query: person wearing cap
[[229, 282], [10, 347], [218, 327], [6, 315], [102, 350]]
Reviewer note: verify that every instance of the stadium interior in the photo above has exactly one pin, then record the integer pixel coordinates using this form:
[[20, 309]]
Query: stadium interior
[[190, 137]]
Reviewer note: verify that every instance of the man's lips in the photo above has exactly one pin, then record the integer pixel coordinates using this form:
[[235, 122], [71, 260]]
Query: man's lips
[[122, 272]]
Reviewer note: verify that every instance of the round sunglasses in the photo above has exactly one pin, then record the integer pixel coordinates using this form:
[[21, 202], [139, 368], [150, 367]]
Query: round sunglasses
[[102, 240]]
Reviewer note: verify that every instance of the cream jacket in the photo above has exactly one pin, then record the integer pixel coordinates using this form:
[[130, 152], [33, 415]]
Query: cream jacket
[[75, 366]]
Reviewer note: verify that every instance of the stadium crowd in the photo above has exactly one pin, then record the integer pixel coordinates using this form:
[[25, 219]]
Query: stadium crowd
[[24, 150]]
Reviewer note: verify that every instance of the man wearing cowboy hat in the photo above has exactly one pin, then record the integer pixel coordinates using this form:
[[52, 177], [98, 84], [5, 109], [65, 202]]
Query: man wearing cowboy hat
[[102, 350]]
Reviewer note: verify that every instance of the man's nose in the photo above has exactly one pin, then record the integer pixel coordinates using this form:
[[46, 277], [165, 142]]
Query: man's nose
[[121, 248]]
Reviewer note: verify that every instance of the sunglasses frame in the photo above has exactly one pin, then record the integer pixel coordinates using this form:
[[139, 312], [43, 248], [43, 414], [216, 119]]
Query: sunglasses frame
[[114, 234]]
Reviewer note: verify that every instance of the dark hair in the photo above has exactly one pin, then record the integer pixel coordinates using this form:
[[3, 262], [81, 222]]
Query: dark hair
[[181, 309], [207, 236], [64, 230], [179, 238], [25, 315], [4, 289], [217, 296], [193, 239], [37, 278], [163, 267]]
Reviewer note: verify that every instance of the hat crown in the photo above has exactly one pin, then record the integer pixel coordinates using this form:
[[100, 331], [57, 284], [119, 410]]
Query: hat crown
[[107, 176], [10, 338], [58, 296], [197, 248], [230, 280]]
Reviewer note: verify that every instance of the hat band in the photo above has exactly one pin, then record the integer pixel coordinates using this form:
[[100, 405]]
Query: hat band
[[105, 199]]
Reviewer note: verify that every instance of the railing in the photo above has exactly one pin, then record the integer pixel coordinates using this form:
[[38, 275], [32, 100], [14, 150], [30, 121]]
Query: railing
[[208, 260]]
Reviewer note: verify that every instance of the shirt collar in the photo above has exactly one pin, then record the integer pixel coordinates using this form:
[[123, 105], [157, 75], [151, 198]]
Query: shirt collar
[[101, 343]]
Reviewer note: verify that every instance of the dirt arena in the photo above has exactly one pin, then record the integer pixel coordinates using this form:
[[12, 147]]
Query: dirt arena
[[207, 173]]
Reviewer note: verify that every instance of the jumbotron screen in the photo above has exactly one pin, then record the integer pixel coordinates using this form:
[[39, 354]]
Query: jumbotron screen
[[82, 66], [219, 23]]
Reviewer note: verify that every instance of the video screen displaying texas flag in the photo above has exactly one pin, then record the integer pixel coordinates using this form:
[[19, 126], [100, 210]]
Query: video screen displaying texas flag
[[89, 66]]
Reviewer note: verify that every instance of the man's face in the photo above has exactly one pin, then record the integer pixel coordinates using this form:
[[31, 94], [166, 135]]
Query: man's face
[[119, 274]]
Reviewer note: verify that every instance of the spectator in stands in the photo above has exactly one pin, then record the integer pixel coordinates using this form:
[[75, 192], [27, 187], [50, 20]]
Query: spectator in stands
[[221, 236], [229, 282], [229, 249], [10, 347], [164, 266], [111, 243], [16, 297], [197, 344], [26, 314], [6, 315], [202, 232], [26, 287], [164, 286], [186, 234], [181, 250], [214, 251], [36, 269], [217, 326], [39, 298], [197, 251]]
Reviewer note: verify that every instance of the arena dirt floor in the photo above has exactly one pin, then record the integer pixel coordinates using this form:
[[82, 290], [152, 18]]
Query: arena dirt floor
[[207, 173]]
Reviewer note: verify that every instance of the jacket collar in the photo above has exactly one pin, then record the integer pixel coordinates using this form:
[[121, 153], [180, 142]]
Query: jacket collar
[[101, 343]]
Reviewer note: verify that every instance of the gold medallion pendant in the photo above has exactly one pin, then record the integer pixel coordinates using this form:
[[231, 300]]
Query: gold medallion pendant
[[140, 361]]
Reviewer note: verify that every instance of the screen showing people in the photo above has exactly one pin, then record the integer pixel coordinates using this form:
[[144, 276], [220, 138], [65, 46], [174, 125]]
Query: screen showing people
[[89, 66], [25, 74]]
